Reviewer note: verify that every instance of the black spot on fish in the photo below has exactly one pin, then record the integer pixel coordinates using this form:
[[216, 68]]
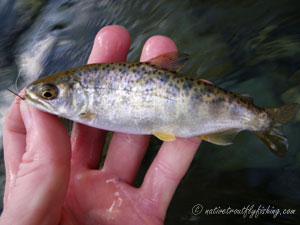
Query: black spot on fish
[[205, 94], [216, 100], [143, 69], [187, 85], [209, 89], [164, 79], [95, 71], [174, 90], [98, 83], [196, 98], [71, 85], [84, 81], [149, 81]]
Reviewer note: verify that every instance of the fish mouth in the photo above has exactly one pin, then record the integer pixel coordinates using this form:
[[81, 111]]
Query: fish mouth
[[40, 104]]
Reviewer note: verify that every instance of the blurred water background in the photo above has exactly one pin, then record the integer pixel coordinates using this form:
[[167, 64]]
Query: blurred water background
[[249, 47]]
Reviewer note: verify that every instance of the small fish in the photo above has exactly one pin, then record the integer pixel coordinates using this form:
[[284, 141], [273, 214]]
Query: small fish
[[151, 98]]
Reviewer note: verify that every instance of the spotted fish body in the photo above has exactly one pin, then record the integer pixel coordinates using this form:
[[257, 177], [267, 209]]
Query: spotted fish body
[[143, 98]]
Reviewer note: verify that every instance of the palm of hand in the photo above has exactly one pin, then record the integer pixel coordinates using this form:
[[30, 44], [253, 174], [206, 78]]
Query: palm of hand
[[105, 196], [108, 201]]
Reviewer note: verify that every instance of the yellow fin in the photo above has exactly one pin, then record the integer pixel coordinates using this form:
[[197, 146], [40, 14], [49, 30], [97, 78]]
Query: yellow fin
[[172, 61], [220, 138], [165, 136]]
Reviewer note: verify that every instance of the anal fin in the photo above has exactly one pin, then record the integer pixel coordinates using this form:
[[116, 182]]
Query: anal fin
[[165, 136], [220, 138]]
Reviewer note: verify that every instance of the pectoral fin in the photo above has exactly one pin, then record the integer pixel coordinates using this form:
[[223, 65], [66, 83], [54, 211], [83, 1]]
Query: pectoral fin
[[87, 116], [221, 138], [172, 61], [165, 136]]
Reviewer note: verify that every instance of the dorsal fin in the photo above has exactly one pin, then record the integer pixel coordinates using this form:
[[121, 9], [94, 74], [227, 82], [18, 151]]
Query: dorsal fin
[[172, 61], [246, 98]]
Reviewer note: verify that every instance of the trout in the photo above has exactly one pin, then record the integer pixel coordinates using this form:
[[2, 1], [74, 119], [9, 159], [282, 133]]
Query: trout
[[152, 98]]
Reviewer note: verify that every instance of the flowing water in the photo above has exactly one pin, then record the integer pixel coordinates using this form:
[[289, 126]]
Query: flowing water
[[249, 47]]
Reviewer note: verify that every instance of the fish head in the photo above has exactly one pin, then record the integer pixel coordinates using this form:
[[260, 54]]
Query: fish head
[[56, 95]]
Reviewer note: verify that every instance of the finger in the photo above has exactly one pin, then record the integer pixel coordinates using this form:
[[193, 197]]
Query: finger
[[14, 138], [111, 45], [43, 174], [133, 147], [166, 171], [124, 155], [157, 45]]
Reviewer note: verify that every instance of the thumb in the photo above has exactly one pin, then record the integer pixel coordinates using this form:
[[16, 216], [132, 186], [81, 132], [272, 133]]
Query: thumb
[[42, 179]]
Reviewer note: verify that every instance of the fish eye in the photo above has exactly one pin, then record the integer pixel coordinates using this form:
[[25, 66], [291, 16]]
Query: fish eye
[[49, 91]]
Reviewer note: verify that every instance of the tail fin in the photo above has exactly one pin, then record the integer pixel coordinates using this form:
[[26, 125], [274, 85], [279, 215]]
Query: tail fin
[[274, 138]]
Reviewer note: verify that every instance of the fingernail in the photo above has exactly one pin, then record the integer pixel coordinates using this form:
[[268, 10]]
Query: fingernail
[[26, 114], [157, 45]]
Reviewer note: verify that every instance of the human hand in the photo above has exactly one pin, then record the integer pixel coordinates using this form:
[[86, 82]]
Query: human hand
[[52, 179]]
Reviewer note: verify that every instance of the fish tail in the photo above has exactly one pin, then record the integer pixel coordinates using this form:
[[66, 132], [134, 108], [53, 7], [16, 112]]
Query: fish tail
[[274, 137]]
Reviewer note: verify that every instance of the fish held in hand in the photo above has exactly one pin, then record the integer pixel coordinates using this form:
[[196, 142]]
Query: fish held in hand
[[151, 98]]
